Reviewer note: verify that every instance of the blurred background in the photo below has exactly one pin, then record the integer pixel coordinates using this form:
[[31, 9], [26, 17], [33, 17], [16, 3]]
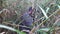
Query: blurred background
[[45, 15]]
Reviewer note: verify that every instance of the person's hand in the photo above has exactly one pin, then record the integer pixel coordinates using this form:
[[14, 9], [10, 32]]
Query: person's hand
[[2, 33]]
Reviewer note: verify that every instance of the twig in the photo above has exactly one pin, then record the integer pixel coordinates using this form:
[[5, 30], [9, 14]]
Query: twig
[[15, 25]]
